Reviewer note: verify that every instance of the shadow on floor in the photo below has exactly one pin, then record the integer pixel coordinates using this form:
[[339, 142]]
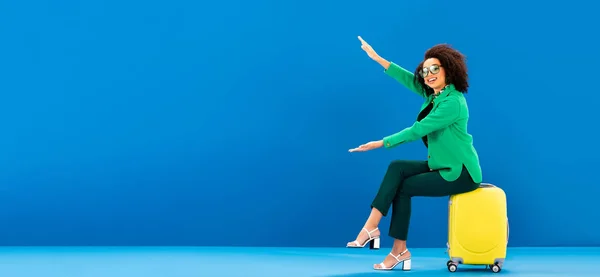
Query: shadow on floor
[[471, 271]]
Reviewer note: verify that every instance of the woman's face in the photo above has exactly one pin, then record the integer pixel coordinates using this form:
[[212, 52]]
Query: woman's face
[[433, 74]]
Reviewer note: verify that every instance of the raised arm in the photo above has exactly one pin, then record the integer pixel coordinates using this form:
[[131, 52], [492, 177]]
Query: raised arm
[[393, 70], [405, 78]]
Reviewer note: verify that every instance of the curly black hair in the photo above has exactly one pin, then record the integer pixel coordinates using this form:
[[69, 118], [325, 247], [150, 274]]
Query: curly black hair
[[453, 62]]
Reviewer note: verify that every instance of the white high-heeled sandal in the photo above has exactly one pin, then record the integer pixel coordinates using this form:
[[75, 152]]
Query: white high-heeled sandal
[[375, 241], [406, 263]]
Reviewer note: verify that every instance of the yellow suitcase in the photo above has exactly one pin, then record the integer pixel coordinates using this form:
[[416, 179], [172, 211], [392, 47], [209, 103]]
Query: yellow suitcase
[[478, 228]]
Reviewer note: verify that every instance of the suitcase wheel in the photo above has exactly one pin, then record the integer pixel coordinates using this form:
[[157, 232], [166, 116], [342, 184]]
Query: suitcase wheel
[[452, 267], [495, 268]]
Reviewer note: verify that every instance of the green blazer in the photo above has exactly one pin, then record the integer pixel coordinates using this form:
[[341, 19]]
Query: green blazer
[[449, 145]]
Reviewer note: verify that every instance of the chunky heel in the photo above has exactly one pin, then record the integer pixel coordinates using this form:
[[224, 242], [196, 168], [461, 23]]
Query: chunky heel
[[372, 241], [405, 262], [375, 243], [406, 265]]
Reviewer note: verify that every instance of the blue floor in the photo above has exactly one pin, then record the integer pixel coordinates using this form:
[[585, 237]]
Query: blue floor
[[266, 262]]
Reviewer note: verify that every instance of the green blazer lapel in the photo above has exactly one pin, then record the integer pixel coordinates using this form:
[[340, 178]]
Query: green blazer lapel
[[447, 91]]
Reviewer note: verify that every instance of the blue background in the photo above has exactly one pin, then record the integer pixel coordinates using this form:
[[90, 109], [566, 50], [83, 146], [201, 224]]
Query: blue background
[[190, 123]]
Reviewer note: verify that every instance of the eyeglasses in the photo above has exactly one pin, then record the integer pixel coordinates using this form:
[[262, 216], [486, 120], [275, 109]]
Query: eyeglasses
[[434, 69]]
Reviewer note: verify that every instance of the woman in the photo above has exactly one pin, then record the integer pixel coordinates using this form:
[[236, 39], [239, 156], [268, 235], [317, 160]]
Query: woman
[[452, 166]]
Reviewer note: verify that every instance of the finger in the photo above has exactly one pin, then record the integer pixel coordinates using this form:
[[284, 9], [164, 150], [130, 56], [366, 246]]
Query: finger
[[357, 149], [362, 40]]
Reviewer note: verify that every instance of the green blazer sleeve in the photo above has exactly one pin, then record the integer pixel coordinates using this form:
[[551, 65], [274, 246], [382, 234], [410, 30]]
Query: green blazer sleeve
[[446, 113], [405, 77]]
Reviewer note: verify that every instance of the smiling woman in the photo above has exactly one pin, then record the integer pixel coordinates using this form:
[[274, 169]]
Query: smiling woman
[[433, 77], [453, 163]]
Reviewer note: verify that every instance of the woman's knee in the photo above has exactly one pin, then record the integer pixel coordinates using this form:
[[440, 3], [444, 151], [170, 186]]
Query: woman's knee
[[401, 195]]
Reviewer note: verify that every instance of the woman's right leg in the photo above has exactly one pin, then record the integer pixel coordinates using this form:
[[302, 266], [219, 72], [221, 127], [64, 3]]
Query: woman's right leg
[[426, 184], [392, 182]]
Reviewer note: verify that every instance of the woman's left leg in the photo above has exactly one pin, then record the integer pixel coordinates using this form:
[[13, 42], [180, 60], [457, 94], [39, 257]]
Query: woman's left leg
[[426, 184], [397, 172]]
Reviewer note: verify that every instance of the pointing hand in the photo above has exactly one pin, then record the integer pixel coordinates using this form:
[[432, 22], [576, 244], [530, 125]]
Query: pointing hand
[[368, 49]]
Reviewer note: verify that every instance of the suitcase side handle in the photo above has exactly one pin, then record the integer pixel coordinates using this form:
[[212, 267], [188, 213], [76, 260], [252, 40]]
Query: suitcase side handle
[[507, 231]]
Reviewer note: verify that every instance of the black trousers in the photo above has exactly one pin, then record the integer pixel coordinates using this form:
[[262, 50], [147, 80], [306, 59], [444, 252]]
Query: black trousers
[[405, 179]]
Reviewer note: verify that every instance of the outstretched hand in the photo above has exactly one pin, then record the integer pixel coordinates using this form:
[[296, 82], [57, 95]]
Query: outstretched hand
[[368, 146], [368, 49]]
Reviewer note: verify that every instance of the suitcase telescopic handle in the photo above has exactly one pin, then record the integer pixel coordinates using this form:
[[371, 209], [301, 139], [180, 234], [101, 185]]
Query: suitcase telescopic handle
[[485, 185]]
